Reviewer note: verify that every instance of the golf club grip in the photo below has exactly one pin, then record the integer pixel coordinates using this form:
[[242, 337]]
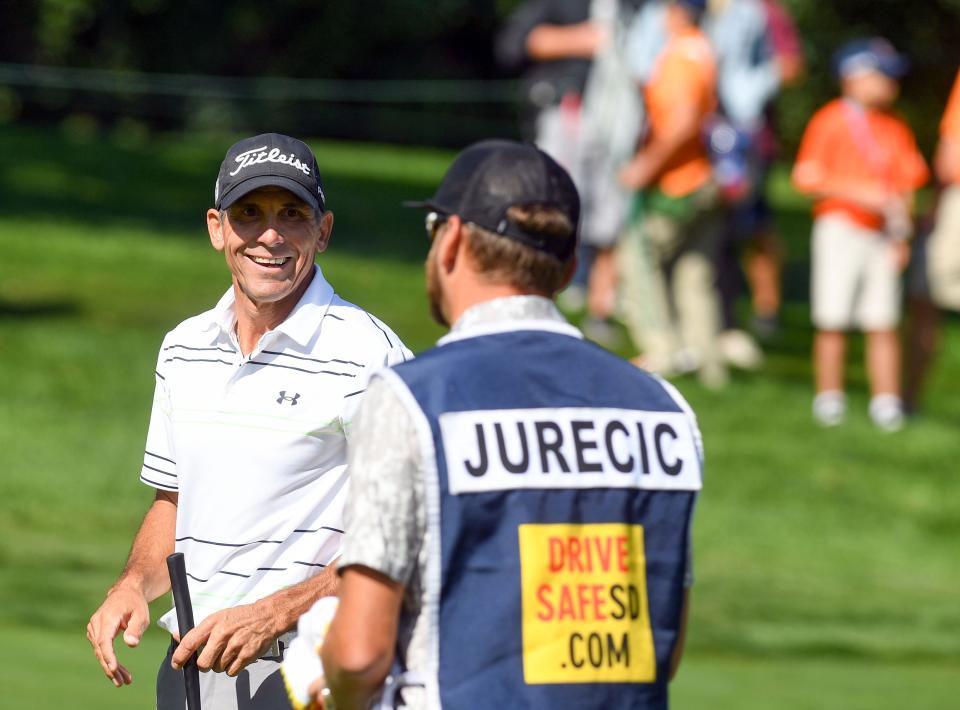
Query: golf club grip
[[181, 600]]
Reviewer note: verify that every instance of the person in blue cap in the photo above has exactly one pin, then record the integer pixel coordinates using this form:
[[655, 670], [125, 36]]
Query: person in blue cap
[[860, 163], [518, 524]]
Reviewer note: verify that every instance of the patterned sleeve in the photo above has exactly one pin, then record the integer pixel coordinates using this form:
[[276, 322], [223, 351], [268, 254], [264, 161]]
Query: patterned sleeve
[[385, 518], [159, 461]]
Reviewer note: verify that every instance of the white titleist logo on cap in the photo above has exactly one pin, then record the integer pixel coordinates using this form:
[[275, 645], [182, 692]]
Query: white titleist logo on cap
[[260, 155]]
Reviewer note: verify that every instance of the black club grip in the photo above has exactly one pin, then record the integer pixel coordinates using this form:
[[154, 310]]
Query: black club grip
[[181, 600]]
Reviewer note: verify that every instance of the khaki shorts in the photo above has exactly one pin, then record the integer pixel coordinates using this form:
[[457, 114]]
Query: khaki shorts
[[943, 252], [259, 686], [855, 282]]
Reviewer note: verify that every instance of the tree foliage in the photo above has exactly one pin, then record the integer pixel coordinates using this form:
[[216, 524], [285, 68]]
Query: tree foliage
[[421, 39]]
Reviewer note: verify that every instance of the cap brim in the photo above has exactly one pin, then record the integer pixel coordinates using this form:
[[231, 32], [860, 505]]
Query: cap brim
[[895, 68], [421, 204], [254, 183]]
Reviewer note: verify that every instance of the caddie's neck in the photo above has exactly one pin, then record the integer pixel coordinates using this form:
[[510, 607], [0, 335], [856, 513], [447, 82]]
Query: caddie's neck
[[474, 292], [454, 283]]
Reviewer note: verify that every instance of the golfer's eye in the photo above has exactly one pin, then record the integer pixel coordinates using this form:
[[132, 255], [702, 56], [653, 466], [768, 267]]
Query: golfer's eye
[[292, 213], [246, 212]]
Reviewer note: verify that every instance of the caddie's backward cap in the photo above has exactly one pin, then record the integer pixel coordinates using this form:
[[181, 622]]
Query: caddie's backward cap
[[490, 177], [270, 159]]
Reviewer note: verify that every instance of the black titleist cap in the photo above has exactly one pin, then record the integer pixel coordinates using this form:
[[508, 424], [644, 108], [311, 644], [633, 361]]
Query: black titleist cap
[[491, 176], [269, 159]]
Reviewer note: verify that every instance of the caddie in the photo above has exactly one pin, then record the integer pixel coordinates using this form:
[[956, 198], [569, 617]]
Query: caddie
[[518, 527], [247, 442]]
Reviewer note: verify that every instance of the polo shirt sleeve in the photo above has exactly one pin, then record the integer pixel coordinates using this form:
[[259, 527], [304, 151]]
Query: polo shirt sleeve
[[685, 78], [159, 460], [912, 172], [385, 518], [396, 353]]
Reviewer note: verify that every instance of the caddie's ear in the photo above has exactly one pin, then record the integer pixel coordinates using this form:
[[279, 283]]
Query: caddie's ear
[[568, 273], [324, 231], [452, 243], [215, 229]]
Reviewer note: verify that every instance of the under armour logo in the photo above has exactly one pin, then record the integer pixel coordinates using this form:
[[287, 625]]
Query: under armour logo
[[284, 398]]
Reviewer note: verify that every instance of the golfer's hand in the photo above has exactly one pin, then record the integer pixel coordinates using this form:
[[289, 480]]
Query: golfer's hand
[[230, 639], [124, 609]]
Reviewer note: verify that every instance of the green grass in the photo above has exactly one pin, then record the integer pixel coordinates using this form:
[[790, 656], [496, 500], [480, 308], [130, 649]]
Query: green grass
[[826, 561]]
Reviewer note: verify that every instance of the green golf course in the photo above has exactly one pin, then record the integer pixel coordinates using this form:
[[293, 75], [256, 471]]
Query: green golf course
[[827, 562]]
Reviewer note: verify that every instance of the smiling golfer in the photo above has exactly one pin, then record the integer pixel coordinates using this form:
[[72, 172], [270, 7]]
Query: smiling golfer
[[247, 441]]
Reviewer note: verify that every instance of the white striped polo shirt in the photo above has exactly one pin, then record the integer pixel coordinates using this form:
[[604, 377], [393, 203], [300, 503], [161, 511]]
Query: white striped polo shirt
[[256, 445]]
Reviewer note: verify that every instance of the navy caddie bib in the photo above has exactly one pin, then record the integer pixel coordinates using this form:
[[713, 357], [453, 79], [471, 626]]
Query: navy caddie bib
[[560, 483]]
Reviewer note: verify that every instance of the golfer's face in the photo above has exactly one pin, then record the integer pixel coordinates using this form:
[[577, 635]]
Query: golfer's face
[[270, 240]]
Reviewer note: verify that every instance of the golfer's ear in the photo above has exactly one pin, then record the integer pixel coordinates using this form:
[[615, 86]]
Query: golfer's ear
[[324, 232], [215, 229]]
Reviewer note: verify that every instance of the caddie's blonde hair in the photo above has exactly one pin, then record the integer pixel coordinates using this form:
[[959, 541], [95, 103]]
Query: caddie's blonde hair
[[504, 260]]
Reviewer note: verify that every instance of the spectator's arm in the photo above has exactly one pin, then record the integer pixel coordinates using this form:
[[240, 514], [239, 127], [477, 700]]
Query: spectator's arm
[[510, 44], [946, 161], [785, 42], [683, 127], [870, 196], [551, 42]]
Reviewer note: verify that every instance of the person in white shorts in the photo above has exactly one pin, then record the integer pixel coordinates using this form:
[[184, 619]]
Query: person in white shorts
[[935, 282], [861, 164], [247, 445]]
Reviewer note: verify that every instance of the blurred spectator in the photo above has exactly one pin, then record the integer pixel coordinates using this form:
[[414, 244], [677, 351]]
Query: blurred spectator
[[784, 42], [862, 165], [668, 254], [587, 116], [935, 281], [742, 145]]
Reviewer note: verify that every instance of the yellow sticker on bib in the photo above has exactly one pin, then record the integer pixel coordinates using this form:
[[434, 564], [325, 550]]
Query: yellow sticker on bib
[[586, 617]]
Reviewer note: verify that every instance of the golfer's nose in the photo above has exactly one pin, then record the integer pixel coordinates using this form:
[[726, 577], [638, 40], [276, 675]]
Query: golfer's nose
[[271, 236]]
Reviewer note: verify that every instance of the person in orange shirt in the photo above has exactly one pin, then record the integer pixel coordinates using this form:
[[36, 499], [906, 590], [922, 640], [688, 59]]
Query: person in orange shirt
[[943, 248], [935, 277], [679, 225], [861, 164]]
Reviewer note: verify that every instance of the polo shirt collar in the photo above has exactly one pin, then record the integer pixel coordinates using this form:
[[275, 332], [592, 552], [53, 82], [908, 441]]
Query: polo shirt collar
[[508, 314], [300, 325]]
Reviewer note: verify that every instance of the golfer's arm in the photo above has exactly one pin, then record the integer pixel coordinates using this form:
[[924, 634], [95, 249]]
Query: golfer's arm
[[288, 605], [146, 569], [681, 635]]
